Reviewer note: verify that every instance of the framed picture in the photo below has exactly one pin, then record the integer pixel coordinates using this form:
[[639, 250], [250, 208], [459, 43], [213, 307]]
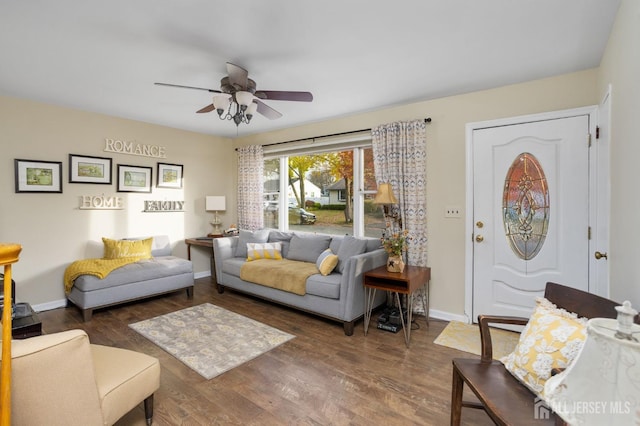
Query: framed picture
[[38, 176], [134, 178], [169, 175], [85, 169]]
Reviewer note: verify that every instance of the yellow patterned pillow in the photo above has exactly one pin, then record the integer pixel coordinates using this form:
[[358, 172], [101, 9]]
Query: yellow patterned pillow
[[116, 249], [551, 339], [327, 262], [257, 251]]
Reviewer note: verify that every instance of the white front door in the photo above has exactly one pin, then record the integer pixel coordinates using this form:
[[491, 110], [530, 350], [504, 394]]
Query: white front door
[[530, 212]]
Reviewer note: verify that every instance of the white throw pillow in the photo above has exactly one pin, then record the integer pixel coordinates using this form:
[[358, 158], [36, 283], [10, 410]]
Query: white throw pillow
[[264, 251]]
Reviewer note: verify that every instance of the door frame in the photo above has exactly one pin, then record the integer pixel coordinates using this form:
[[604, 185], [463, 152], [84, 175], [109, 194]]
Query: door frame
[[592, 112]]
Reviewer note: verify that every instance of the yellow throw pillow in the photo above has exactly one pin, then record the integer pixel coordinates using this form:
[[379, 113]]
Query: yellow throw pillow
[[257, 251], [327, 261], [551, 339], [116, 249]]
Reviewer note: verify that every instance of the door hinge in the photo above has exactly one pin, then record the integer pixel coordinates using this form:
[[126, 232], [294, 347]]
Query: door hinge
[[589, 233], [589, 140], [597, 132]]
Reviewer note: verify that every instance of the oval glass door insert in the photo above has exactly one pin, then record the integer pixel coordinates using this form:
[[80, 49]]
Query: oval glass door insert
[[525, 206]]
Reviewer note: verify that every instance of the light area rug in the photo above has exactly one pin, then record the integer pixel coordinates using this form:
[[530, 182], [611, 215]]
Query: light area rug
[[209, 339], [466, 337]]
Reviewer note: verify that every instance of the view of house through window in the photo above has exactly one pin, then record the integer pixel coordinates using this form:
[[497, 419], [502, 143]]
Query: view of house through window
[[329, 192]]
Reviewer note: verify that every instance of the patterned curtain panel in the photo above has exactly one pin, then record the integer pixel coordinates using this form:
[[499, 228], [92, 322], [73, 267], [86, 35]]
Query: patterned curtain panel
[[250, 187], [400, 158]]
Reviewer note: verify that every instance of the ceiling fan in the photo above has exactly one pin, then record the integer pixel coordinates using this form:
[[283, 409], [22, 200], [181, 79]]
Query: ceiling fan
[[238, 99]]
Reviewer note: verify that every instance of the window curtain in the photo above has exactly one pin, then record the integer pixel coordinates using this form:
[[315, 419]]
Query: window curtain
[[250, 187], [400, 158]]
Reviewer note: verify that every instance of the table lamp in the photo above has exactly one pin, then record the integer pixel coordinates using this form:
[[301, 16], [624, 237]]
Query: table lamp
[[385, 197], [216, 203], [602, 384]]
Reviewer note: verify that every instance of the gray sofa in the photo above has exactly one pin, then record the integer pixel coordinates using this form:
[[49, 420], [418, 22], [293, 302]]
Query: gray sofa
[[150, 277], [338, 296]]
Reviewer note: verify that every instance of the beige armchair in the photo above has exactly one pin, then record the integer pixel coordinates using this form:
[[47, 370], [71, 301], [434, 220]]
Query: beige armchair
[[62, 379]]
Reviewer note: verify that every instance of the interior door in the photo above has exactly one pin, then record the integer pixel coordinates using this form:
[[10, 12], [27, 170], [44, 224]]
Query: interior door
[[530, 212]]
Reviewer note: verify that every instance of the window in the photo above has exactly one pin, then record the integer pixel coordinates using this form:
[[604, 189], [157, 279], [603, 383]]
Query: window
[[328, 191]]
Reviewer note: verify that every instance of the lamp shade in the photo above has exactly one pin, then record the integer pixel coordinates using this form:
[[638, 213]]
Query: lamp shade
[[385, 195], [216, 203], [221, 101]]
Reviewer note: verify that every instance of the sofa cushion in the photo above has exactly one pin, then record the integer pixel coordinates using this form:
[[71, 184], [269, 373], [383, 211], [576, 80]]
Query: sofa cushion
[[324, 286], [233, 265], [351, 246], [116, 249], [283, 238], [307, 247], [327, 262], [141, 270], [245, 237], [257, 251]]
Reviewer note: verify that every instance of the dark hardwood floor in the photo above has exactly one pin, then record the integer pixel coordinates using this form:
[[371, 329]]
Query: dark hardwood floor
[[321, 377]]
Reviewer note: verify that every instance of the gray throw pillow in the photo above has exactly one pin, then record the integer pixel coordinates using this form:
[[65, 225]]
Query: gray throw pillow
[[307, 248], [336, 240], [245, 237], [283, 238], [350, 247]]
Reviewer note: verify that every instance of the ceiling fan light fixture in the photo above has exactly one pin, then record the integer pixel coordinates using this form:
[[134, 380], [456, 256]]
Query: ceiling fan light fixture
[[251, 110], [244, 99], [221, 103]]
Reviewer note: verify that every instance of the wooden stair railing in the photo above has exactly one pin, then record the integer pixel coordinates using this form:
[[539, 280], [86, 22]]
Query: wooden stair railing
[[9, 254]]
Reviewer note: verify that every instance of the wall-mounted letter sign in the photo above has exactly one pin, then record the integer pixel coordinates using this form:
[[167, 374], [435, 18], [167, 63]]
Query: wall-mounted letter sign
[[134, 148], [101, 202], [163, 206]]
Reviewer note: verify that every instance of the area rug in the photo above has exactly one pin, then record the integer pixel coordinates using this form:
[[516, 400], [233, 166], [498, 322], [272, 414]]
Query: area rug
[[209, 339], [466, 337]]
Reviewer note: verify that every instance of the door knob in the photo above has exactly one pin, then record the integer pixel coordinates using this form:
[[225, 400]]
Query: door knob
[[599, 255], [479, 224], [479, 238]]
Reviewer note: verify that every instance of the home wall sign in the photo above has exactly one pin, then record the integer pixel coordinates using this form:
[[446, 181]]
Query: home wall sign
[[101, 202], [134, 148], [163, 206]]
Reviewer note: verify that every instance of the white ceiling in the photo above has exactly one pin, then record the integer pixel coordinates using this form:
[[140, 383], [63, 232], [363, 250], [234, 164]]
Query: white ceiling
[[354, 56]]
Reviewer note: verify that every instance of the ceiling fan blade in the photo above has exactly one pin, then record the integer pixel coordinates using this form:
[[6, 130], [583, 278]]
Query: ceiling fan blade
[[208, 108], [187, 87], [277, 95], [238, 76], [266, 110]]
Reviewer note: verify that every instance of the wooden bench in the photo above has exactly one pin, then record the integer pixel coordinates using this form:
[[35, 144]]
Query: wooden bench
[[502, 396]]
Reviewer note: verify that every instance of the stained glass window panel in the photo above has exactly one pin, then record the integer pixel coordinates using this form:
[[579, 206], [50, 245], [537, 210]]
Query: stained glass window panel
[[525, 205]]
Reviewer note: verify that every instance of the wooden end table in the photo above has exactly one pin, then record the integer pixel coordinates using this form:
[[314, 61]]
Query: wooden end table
[[412, 279], [203, 242]]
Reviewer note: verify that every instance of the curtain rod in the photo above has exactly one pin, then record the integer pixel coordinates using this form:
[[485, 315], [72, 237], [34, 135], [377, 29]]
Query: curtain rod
[[426, 120]]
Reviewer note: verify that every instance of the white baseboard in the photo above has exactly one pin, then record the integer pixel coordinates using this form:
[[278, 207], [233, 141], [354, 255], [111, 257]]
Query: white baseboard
[[447, 316], [47, 306], [202, 274]]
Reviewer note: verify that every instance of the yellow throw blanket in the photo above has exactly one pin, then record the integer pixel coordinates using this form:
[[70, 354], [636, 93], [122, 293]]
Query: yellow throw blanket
[[287, 275], [98, 267]]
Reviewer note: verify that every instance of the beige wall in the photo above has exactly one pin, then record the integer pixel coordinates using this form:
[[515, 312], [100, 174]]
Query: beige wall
[[446, 158], [620, 67], [51, 228], [54, 232]]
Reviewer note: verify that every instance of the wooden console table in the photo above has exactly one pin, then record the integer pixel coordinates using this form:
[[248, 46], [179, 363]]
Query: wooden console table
[[412, 279], [203, 242]]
